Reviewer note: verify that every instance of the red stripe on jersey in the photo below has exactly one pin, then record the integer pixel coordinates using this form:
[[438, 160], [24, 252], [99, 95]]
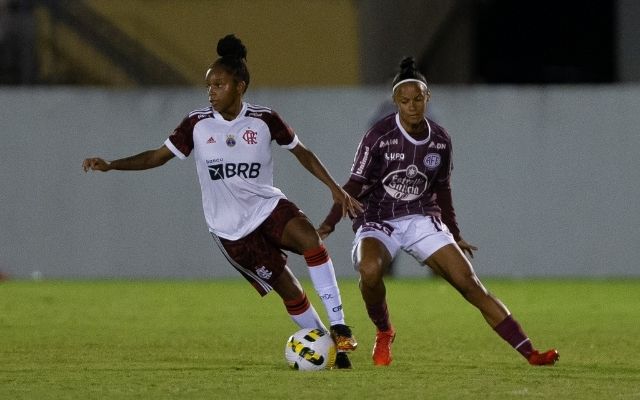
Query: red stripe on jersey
[[317, 256], [297, 306]]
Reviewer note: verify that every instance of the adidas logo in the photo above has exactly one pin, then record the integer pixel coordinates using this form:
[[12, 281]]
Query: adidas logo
[[211, 140]]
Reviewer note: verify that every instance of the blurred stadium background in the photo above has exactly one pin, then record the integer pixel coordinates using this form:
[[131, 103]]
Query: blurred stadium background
[[541, 98]]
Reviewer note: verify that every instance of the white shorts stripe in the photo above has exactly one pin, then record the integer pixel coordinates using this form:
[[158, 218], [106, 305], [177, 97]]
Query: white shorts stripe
[[267, 288]]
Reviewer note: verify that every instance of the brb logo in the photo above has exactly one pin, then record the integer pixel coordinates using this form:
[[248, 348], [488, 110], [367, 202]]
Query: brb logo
[[250, 137], [243, 170]]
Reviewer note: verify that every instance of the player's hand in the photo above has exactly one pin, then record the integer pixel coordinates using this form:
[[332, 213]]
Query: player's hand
[[467, 248], [350, 206], [95, 164], [324, 230]]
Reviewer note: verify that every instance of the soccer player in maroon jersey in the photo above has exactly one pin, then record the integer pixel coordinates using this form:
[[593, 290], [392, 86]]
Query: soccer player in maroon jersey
[[252, 221], [401, 174]]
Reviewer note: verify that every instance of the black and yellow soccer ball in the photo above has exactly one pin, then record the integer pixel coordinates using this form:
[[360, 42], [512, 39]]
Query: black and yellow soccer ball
[[310, 350]]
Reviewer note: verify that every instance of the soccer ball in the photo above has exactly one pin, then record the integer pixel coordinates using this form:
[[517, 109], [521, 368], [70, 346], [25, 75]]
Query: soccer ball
[[310, 350]]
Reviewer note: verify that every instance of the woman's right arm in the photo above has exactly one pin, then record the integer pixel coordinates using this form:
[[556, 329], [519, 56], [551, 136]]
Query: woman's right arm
[[145, 160], [354, 189]]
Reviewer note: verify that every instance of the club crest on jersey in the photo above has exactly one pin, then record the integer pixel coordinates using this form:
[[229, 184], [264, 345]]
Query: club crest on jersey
[[250, 136], [412, 171], [231, 140], [432, 160]]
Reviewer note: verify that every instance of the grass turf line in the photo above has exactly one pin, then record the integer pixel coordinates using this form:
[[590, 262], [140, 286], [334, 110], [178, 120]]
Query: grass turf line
[[218, 339]]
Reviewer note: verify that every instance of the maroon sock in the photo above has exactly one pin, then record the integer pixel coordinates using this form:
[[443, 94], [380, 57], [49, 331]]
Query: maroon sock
[[512, 333], [379, 315]]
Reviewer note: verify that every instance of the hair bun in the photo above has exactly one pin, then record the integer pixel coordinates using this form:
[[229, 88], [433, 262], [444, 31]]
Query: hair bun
[[407, 63], [408, 70], [231, 46]]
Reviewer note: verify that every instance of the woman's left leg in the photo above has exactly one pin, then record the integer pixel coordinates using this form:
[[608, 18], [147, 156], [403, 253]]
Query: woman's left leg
[[452, 265]]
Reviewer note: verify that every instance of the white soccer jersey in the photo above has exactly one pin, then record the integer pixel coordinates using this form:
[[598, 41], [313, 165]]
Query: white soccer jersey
[[234, 164]]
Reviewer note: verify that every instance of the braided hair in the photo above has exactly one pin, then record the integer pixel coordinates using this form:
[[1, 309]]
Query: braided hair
[[233, 57]]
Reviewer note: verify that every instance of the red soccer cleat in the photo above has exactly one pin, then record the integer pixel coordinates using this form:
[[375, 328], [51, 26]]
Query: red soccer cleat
[[549, 357], [382, 348]]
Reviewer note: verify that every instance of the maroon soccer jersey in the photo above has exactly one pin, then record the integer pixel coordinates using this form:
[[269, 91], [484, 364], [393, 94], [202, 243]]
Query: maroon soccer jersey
[[404, 176]]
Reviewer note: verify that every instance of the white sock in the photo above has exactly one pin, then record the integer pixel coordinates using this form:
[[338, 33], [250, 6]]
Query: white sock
[[308, 319], [324, 281], [303, 313]]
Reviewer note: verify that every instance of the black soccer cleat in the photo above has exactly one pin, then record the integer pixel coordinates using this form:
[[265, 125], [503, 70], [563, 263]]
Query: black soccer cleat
[[342, 361]]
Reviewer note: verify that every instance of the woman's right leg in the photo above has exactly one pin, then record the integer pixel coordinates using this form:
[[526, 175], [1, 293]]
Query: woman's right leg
[[372, 259]]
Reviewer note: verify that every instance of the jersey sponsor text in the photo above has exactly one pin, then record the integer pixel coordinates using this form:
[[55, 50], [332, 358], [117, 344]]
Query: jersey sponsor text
[[243, 170]]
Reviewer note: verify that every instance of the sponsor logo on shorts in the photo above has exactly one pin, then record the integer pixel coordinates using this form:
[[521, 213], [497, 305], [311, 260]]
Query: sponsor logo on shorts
[[375, 226], [263, 272], [432, 160]]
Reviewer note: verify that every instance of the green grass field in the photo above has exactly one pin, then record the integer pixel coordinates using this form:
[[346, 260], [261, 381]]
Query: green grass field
[[209, 340]]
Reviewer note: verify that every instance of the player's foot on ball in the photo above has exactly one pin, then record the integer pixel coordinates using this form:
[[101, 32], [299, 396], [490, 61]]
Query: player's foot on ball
[[549, 357], [342, 360], [343, 337], [382, 348]]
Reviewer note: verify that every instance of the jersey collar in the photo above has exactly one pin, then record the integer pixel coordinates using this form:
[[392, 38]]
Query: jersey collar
[[219, 116], [409, 137]]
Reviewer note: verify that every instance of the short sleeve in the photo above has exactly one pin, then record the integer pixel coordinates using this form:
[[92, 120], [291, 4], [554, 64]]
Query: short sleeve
[[181, 140], [280, 131]]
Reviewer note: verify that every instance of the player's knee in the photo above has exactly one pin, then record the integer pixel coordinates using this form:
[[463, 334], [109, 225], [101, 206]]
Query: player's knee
[[370, 272], [304, 238]]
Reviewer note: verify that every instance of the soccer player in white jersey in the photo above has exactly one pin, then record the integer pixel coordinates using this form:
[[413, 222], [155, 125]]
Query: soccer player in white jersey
[[252, 221], [401, 174]]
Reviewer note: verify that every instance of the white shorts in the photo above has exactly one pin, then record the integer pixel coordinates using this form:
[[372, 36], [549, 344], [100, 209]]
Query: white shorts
[[418, 235]]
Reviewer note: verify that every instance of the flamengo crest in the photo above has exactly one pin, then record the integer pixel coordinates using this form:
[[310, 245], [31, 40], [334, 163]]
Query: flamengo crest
[[250, 137]]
